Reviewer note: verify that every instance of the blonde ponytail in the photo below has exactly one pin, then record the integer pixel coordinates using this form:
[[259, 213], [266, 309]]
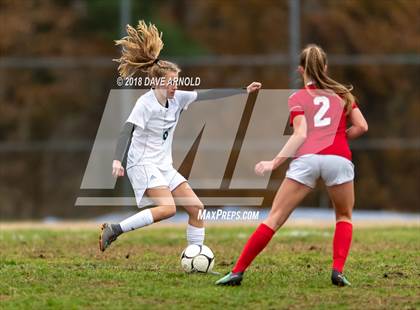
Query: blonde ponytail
[[314, 61], [140, 51]]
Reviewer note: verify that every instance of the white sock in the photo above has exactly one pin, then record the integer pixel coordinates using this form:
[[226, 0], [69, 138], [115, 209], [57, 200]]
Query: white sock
[[195, 235], [141, 219]]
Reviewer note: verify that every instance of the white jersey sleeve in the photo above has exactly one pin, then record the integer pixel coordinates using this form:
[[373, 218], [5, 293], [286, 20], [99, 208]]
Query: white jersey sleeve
[[185, 98], [140, 114]]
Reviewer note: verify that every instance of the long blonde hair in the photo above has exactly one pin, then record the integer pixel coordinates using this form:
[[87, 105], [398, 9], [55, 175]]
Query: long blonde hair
[[314, 61], [140, 51]]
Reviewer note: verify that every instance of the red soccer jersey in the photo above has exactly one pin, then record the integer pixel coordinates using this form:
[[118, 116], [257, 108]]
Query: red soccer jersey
[[326, 121]]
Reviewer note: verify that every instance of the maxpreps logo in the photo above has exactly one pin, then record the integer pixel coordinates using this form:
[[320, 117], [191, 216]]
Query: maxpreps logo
[[216, 146]]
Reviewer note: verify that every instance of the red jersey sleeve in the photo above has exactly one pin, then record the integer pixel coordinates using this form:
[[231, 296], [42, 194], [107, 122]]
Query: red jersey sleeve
[[295, 108], [354, 105]]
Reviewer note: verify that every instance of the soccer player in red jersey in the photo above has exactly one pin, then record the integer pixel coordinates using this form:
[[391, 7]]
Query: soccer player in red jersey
[[318, 114]]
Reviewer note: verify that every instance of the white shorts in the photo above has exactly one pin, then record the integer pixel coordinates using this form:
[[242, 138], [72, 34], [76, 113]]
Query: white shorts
[[143, 177], [333, 169]]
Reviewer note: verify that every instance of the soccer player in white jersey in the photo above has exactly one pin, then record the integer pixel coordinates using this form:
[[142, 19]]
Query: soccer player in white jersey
[[151, 126]]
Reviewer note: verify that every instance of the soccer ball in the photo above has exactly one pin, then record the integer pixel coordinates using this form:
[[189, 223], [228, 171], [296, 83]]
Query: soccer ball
[[197, 258]]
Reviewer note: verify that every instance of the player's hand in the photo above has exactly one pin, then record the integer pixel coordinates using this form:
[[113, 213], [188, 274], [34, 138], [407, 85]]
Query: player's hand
[[117, 169], [264, 166], [253, 87]]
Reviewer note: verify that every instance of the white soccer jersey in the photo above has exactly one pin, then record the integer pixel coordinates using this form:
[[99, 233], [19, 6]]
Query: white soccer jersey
[[151, 141]]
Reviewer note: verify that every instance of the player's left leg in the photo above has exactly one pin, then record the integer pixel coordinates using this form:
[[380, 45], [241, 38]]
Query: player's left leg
[[287, 198], [342, 197], [185, 196]]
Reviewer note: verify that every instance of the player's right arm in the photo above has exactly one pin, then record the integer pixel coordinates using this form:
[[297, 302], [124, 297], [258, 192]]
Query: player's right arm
[[124, 138], [359, 124], [289, 149], [300, 128], [138, 118]]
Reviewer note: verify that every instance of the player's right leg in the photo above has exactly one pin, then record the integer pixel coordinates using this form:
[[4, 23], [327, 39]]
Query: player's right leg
[[342, 197], [164, 208], [287, 198]]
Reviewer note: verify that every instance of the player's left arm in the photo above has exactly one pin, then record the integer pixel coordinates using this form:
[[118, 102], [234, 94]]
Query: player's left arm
[[189, 97], [359, 125], [212, 94], [289, 149]]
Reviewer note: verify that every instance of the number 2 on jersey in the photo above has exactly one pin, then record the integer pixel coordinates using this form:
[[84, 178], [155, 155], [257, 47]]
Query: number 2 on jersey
[[319, 120]]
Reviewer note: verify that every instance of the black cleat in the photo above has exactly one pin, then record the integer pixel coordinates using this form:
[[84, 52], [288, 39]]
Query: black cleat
[[231, 279], [107, 236], [337, 278]]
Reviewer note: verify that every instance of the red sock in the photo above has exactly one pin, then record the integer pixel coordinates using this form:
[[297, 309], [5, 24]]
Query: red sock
[[256, 243], [341, 244]]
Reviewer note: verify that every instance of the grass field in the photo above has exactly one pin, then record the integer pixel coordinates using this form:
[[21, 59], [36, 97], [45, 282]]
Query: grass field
[[43, 268]]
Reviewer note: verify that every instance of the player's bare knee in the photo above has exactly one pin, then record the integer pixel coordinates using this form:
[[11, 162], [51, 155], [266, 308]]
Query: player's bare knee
[[199, 207], [195, 210]]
